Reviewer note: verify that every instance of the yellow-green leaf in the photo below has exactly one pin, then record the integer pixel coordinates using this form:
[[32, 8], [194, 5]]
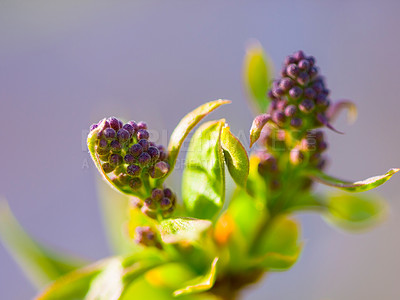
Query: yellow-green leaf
[[357, 186], [278, 248], [203, 184], [185, 126], [236, 157], [201, 283], [256, 127], [182, 229], [257, 75], [354, 212]]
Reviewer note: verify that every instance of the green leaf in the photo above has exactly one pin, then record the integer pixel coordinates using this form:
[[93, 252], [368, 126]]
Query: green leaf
[[201, 283], [203, 185], [182, 229], [115, 207], [278, 248], [258, 124], [256, 186], [257, 74], [354, 212], [74, 285], [40, 264], [236, 157], [185, 126], [358, 186]]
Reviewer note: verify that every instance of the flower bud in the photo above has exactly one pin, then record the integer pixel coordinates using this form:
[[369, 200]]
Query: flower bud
[[145, 144], [133, 170], [109, 133], [157, 194], [159, 170], [165, 203], [142, 125], [144, 159], [136, 150], [114, 123], [142, 134], [123, 135], [107, 167], [115, 159], [135, 183]]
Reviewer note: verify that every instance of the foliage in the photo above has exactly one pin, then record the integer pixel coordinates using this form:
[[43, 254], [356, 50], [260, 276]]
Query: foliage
[[206, 246]]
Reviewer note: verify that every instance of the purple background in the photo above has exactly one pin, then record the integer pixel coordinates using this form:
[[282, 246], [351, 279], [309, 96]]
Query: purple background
[[66, 64]]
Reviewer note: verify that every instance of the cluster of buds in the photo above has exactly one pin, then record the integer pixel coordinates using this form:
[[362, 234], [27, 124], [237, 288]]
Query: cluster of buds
[[299, 97], [161, 202], [146, 236], [126, 152]]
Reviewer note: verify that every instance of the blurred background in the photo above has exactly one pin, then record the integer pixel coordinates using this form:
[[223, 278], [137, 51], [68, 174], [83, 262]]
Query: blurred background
[[67, 64]]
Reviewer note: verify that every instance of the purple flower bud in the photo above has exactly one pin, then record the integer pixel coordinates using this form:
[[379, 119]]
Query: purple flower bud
[[150, 203], [311, 60], [129, 159], [134, 125], [142, 125], [307, 105], [286, 84], [114, 123], [103, 144], [290, 110], [281, 105], [144, 144], [109, 133], [144, 159], [128, 127], [289, 60], [299, 55], [303, 78], [115, 146], [115, 159], [293, 70], [123, 135], [133, 170], [271, 95], [168, 193], [107, 168], [304, 65], [279, 117], [93, 127], [313, 72], [321, 100], [159, 169], [136, 150], [309, 93], [154, 153], [157, 194], [322, 146], [296, 122], [278, 92], [283, 72], [101, 151], [295, 92], [143, 134], [318, 86], [165, 203], [135, 183]]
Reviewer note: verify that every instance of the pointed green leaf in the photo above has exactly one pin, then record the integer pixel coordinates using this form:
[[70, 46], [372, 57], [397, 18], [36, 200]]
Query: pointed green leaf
[[278, 248], [74, 285], [41, 265], [257, 74], [182, 229], [258, 124], [236, 157], [358, 186], [203, 185], [354, 211], [201, 283], [185, 126]]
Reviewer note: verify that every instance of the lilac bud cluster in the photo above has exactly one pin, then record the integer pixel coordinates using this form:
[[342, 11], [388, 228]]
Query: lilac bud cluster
[[146, 236], [161, 202], [299, 97], [125, 150]]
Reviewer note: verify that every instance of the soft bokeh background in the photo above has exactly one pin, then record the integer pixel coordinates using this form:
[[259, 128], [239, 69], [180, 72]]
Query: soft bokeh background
[[66, 64]]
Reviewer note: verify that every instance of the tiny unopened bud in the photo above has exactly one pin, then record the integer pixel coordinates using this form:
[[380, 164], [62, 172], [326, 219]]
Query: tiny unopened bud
[[165, 203], [133, 170], [145, 144], [157, 194], [115, 159], [115, 146], [142, 125], [307, 105], [150, 203], [304, 65], [159, 170], [286, 84], [107, 167], [136, 150], [293, 70], [290, 110], [123, 135], [296, 122], [303, 78], [114, 123], [143, 134], [128, 127], [109, 133], [154, 153], [295, 92], [144, 159], [279, 117], [129, 159]]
